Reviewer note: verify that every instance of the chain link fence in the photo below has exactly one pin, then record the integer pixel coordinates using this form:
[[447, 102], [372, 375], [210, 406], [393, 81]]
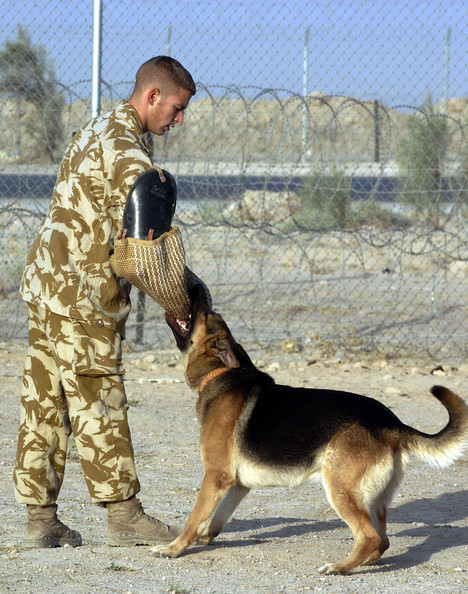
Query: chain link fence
[[322, 168]]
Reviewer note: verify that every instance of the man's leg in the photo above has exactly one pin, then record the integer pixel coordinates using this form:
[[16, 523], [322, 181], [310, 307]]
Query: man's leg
[[92, 377], [88, 373], [44, 425], [42, 443], [97, 404]]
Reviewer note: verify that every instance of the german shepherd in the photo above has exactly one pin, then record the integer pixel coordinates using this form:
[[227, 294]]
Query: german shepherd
[[256, 433]]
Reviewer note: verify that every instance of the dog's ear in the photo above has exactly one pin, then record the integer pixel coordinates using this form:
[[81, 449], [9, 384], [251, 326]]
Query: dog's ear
[[222, 348]]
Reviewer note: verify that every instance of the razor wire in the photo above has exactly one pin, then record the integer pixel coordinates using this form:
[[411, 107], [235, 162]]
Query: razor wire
[[322, 222]]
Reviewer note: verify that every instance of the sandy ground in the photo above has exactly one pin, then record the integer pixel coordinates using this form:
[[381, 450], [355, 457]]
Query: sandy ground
[[278, 537]]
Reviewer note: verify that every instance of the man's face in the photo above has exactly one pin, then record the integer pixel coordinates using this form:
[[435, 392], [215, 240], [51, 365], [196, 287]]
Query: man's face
[[164, 112]]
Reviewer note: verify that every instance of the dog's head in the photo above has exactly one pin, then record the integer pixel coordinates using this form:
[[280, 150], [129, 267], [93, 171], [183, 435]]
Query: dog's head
[[208, 343]]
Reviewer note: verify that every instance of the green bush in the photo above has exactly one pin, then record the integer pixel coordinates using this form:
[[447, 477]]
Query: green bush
[[420, 157], [325, 199]]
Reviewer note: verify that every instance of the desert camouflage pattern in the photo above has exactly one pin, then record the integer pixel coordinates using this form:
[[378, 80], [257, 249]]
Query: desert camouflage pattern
[[68, 269], [73, 381]]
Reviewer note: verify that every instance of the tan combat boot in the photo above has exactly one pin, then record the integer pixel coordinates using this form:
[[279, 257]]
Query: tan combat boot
[[44, 530], [128, 525]]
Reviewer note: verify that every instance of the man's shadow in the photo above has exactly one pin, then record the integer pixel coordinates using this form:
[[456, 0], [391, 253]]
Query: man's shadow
[[449, 507]]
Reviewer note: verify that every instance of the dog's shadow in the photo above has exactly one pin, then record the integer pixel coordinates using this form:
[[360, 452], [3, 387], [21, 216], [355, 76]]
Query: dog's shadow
[[265, 528], [430, 518]]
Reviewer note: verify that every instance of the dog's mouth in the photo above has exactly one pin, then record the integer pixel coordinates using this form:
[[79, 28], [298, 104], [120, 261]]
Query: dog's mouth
[[181, 327]]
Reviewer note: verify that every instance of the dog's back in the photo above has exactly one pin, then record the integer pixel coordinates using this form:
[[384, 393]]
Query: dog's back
[[287, 425]]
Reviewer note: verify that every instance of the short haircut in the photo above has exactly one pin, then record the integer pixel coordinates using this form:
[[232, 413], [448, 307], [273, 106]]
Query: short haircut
[[165, 72]]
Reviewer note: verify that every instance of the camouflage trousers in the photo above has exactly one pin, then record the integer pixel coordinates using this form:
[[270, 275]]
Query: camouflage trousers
[[73, 382]]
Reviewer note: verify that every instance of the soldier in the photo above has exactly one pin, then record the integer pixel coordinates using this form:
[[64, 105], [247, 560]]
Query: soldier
[[73, 378]]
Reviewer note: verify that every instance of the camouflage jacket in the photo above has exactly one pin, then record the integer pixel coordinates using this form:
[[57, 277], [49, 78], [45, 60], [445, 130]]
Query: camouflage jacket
[[68, 269]]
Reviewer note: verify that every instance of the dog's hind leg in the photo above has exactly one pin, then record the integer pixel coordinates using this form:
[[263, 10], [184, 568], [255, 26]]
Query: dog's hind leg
[[379, 521], [380, 506], [366, 538], [223, 512], [347, 488]]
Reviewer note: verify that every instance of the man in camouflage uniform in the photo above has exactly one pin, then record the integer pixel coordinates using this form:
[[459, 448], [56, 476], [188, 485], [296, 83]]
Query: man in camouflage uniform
[[73, 379]]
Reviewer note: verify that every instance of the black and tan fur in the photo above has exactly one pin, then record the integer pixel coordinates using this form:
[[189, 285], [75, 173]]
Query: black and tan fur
[[257, 433]]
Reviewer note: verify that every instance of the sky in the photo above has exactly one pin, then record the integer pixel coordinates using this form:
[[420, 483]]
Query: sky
[[396, 52]]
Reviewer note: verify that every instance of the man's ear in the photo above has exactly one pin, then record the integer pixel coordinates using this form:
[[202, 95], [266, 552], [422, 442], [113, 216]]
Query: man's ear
[[153, 94], [223, 350]]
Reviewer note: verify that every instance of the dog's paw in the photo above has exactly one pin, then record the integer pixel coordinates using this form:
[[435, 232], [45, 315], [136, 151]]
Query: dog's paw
[[165, 551], [330, 569]]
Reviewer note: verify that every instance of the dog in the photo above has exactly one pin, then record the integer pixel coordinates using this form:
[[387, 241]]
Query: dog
[[256, 433]]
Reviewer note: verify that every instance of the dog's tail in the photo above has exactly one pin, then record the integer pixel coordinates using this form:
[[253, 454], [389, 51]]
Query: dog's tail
[[443, 448]]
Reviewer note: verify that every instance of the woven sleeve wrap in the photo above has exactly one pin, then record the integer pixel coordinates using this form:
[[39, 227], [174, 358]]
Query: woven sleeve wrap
[[156, 267]]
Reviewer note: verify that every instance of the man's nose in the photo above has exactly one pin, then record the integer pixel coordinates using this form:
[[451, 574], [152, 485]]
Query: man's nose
[[179, 119]]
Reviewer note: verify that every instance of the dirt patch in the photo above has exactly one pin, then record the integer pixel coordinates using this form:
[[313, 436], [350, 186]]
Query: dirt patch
[[278, 537]]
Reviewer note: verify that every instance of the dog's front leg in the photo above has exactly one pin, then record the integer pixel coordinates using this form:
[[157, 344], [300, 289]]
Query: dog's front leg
[[215, 486], [223, 512]]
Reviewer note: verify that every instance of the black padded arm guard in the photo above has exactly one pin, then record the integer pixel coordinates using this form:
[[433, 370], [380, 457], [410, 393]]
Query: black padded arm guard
[[151, 204]]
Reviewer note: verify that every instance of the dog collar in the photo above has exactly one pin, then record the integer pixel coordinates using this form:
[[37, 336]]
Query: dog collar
[[207, 379]]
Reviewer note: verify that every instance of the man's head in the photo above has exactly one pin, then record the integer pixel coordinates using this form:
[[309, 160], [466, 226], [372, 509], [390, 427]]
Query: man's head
[[162, 91]]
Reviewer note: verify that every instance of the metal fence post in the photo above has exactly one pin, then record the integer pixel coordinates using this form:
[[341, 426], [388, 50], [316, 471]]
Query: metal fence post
[[305, 85], [140, 317], [376, 132], [97, 60]]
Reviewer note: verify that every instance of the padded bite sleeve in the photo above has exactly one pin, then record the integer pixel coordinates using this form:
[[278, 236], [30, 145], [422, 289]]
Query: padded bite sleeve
[[157, 267]]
